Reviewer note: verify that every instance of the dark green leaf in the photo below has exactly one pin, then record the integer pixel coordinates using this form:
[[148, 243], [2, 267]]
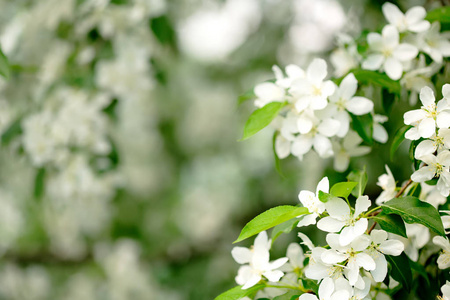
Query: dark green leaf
[[363, 125], [359, 176], [415, 190], [163, 30], [388, 100], [269, 219], [343, 189], [39, 183], [399, 137], [391, 223], [288, 296], [246, 96], [412, 210], [13, 131], [285, 227], [310, 285], [420, 270], [401, 270], [4, 65], [441, 14], [377, 79], [237, 292], [261, 117]]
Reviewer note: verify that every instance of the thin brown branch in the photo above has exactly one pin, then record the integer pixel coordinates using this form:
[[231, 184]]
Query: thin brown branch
[[402, 190]]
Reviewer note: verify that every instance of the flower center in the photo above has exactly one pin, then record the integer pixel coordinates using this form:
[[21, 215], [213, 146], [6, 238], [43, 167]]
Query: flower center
[[317, 91], [387, 52], [341, 104]]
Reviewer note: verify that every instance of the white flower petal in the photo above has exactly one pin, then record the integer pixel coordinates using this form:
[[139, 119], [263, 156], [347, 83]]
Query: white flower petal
[[379, 133], [241, 255], [301, 145], [415, 14], [307, 296], [348, 86], [413, 116], [329, 127], [405, 52], [329, 224], [443, 119], [380, 272], [323, 185], [390, 36], [304, 125], [393, 68], [423, 174], [273, 276], [307, 220], [326, 288], [427, 96], [337, 208], [362, 204], [424, 148], [427, 127], [359, 106], [254, 279], [392, 247], [373, 62], [317, 70], [323, 146], [391, 12], [332, 257], [365, 261]]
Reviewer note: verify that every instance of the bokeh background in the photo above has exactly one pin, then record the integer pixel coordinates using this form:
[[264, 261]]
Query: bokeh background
[[121, 172]]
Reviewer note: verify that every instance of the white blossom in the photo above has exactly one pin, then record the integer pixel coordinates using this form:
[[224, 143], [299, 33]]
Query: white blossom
[[429, 117], [443, 260], [257, 263], [388, 184], [412, 20], [312, 202], [388, 52], [435, 166], [434, 43], [342, 217]]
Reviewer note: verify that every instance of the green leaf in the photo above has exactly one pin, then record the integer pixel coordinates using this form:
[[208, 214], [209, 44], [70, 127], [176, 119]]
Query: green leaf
[[289, 295], [399, 137], [412, 210], [261, 117], [415, 190], [359, 176], [246, 96], [163, 30], [419, 269], [4, 65], [388, 100], [343, 189], [391, 223], [441, 14], [285, 227], [269, 219], [237, 292], [401, 270], [310, 285], [377, 79], [39, 183], [13, 131], [363, 125], [325, 197]]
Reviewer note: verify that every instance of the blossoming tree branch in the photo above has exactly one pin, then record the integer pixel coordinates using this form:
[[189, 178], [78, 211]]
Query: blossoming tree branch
[[374, 248]]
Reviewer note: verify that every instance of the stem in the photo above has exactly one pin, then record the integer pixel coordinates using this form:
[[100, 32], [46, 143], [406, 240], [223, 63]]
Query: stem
[[377, 210], [402, 190], [286, 286]]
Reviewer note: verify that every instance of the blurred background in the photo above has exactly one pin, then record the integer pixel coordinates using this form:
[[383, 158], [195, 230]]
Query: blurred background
[[121, 175]]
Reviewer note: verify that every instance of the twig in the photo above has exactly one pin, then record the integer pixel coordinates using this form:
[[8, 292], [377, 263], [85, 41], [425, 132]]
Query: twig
[[402, 190]]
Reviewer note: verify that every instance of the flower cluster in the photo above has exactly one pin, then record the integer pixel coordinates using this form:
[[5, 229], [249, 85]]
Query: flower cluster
[[318, 113], [431, 125], [344, 269]]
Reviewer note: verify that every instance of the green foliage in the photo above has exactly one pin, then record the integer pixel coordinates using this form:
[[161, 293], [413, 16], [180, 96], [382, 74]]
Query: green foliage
[[363, 125], [14, 130], [269, 219], [163, 30], [359, 176], [400, 270], [261, 117], [398, 138], [441, 14], [39, 183], [285, 227], [391, 223], [325, 197], [237, 292], [4, 65], [377, 79], [288, 296], [412, 210], [343, 189], [250, 94]]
